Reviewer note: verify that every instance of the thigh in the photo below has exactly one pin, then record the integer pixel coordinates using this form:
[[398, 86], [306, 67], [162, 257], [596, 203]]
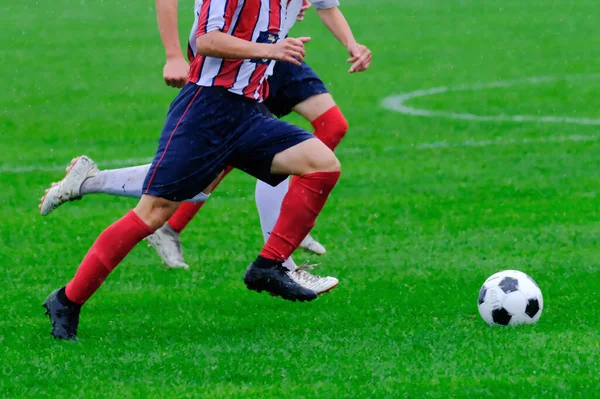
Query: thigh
[[307, 157], [290, 85], [315, 106], [262, 139], [192, 148]]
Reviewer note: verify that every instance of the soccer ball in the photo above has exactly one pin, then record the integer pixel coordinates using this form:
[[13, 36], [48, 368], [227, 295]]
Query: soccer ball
[[510, 298]]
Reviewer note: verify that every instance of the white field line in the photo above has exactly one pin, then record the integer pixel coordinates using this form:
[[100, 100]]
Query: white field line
[[398, 102], [500, 141], [25, 168]]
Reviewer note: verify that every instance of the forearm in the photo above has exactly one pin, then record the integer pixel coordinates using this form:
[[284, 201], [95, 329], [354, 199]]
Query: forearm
[[166, 15], [335, 21], [221, 45]]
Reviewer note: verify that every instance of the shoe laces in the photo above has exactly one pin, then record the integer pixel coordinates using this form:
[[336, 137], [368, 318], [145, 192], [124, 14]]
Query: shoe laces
[[303, 272]]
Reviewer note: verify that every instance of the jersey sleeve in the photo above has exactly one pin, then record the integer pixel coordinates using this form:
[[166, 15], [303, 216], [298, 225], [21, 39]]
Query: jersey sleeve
[[324, 4], [215, 15]]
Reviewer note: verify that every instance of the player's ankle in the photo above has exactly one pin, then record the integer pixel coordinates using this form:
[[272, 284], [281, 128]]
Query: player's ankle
[[62, 297], [265, 263]]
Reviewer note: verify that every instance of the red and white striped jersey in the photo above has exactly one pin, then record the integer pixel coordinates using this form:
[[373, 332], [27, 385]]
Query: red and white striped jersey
[[260, 21]]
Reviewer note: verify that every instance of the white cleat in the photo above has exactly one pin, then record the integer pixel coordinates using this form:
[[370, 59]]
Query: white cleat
[[69, 188], [318, 284], [310, 245], [166, 242]]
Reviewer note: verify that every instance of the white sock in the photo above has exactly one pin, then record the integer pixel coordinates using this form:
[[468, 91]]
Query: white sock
[[268, 203], [124, 182]]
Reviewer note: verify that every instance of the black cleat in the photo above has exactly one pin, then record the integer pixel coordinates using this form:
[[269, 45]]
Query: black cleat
[[276, 282], [64, 318]]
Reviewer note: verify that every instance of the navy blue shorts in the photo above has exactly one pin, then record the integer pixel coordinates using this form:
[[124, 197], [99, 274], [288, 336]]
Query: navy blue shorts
[[290, 85], [209, 128]]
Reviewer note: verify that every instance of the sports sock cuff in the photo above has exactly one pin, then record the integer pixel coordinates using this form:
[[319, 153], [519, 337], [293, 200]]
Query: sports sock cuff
[[137, 220], [63, 299], [265, 263], [331, 127], [318, 181], [119, 238]]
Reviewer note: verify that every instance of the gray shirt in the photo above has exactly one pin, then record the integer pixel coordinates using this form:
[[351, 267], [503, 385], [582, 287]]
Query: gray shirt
[[321, 4]]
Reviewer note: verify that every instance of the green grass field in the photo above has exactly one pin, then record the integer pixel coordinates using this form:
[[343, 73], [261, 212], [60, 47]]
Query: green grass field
[[427, 209]]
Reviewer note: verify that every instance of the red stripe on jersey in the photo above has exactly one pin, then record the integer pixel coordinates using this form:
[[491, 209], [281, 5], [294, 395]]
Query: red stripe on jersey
[[198, 61], [265, 90], [274, 26], [196, 68], [203, 18], [255, 79], [246, 23], [274, 15], [229, 11], [190, 53]]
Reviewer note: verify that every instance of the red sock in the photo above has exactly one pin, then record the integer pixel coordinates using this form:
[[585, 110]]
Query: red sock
[[299, 210], [186, 212], [330, 128], [107, 252]]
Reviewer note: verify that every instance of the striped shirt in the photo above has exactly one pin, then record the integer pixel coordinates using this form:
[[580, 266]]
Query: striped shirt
[[260, 21]]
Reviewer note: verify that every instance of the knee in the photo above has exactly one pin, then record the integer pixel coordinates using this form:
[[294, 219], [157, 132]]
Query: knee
[[155, 211], [334, 165], [329, 163], [341, 124], [341, 127], [331, 127]]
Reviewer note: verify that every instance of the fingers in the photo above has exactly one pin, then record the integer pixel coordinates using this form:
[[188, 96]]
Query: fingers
[[361, 59], [293, 60], [291, 50], [359, 66], [294, 48], [176, 72], [178, 82]]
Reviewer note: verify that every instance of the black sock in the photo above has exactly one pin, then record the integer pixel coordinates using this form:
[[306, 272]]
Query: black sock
[[266, 263], [62, 298]]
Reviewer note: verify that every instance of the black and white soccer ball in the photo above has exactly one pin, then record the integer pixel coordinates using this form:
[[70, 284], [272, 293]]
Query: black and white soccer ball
[[510, 298]]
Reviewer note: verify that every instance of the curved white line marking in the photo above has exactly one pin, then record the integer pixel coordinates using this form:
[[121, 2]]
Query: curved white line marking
[[398, 102]]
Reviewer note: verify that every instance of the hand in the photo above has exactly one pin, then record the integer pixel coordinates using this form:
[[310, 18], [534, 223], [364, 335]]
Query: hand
[[176, 72], [360, 57], [290, 50], [305, 6]]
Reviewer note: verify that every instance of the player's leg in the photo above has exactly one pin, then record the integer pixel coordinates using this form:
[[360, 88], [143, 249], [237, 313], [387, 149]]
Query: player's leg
[[83, 178], [166, 239], [299, 89], [274, 150], [328, 121], [63, 305], [178, 169], [293, 88]]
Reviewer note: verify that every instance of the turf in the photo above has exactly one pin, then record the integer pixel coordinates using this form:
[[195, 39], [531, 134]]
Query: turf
[[426, 210]]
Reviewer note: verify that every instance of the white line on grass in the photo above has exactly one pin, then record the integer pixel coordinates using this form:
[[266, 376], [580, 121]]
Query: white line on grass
[[53, 168], [398, 102], [500, 141]]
